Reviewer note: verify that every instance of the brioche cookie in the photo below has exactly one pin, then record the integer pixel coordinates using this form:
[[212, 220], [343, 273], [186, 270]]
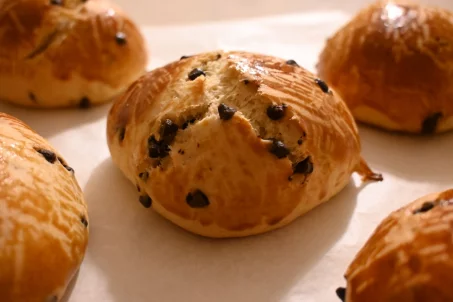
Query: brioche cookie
[[230, 144], [393, 66], [43, 217], [67, 53], [409, 258]]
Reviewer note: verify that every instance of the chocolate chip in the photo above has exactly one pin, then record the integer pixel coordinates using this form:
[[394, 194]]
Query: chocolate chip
[[425, 207], [246, 82], [300, 141], [120, 38], [168, 131], [276, 112], [292, 62], [218, 56], [56, 2], [429, 125], [84, 221], [144, 176], [303, 167], [186, 124], [122, 133], [48, 155], [65, 165], [185, 57], [341, 293], [322, 85], [32, 97], [197, 199], [146, 201], [226, 112], [279, 149], [195, 74], [85, 103], [180, 151], [157, 149], [138, 188]]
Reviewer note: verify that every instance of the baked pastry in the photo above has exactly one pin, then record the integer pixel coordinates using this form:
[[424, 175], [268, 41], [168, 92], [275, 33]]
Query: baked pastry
[[229, 144], [409, 258], [66, 53], [393, 66], [43, 217]]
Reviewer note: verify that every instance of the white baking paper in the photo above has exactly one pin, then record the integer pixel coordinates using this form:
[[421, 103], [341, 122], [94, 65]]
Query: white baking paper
[[136, 256]]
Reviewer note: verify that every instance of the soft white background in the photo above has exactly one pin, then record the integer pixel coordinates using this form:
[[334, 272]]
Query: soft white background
[[136, 256]]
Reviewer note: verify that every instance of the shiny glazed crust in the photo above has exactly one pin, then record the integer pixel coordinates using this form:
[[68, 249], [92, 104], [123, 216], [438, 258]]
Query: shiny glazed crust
[[247, 188], [43, 217], [393, 66], [409, 258], [77, 53]]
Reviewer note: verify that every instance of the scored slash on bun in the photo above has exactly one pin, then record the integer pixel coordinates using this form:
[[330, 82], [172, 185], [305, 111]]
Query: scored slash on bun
[[393, 66], [67, 53], [230, 144], [409, 257], [43, 217]]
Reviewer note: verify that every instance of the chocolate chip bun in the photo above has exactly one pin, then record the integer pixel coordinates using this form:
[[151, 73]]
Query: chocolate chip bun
[[43, 217], [409, 257], [229, 144], [66, 53], [393, 66]]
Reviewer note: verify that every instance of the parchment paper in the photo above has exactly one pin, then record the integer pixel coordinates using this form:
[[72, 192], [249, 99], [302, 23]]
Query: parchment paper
[[136, 256]]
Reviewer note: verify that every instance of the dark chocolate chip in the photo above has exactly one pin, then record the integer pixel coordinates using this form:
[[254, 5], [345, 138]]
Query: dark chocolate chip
[[120, 38], [429, 125], [144, 176], [292, 62], [186, 124], [322, 85], [168, 131], [84, 221], [276, 112], [146, 201], [425, 207], [195, 74], [180, 151], [48, 155], [341, 293], [197, 199], [300, 141], [122, 134], [279, 149], [32, 97], [138, 188], [225, 112], [65, 165], [303, 167], [85, 103], [218, 56], [157, 149], [246, 82], [185, 57], [56, 2]]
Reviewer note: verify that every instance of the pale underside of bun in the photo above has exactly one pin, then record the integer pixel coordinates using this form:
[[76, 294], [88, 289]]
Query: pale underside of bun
[[253, 142], [43, 217], [68, 53], [409, 257], [393, 66]]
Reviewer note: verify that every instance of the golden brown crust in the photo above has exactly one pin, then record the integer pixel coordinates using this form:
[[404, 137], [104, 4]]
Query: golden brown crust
[[249, 189], [409, 258], [58, 55], [43, 217], [393, 66]]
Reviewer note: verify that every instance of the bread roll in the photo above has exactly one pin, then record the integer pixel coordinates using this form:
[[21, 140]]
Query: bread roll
[[43, 217], [233, 144], [393, 66], [409, 258], [67, 53]]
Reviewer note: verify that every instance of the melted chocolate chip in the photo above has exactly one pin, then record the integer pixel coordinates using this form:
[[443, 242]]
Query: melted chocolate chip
[[292, 62], [429, 125], [48, 155], [218, 56], [197, 199], [322, 85], [56, 2], [276, 112], [196, 73], [65, 165], [84, 221], [300, 141], [168, 131], [146, 201], [279, 149], [143, 176], [157, 149], [226, 112], [85, 103], [180, 151], [303, 167], [341, 293], [186, 124], [122, 134], [246, 82], [120, 38], [32, 97], [425, 207], [185, 57]]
